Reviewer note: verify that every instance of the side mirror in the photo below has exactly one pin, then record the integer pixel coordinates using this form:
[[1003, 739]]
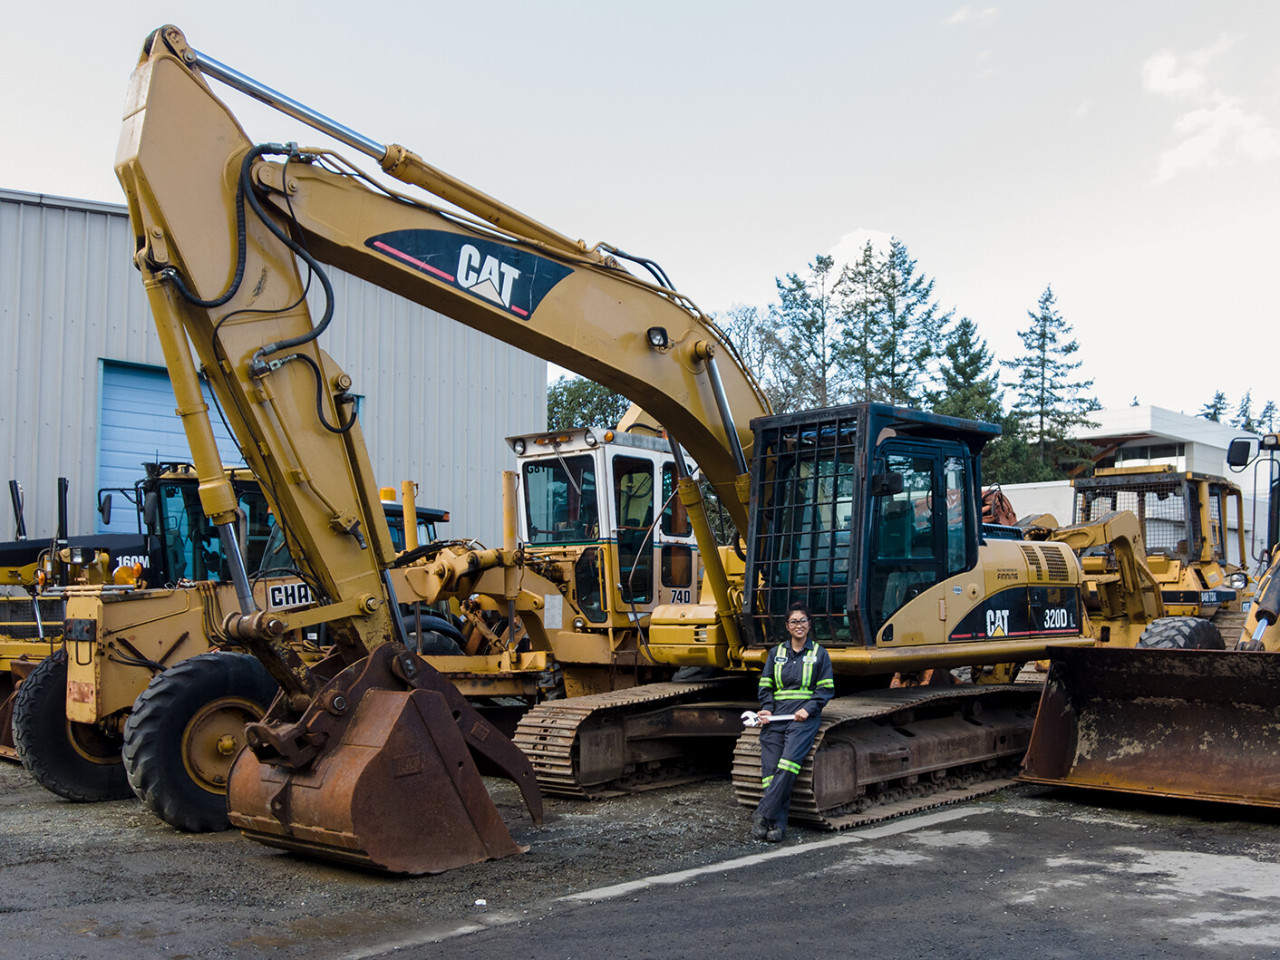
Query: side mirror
[[1238, 452], [151, 510], [104, 510], [886, 484]]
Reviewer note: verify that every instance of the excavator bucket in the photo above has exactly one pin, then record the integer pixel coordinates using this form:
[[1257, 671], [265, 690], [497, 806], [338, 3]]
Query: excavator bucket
[[1196, 724], [397, 791]]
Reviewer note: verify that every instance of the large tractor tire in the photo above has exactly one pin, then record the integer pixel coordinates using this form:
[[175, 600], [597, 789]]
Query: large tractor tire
[[1181, 633], [78, 761], [185, 730]]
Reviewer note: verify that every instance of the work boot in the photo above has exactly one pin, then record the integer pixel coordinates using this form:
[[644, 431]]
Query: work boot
[[776, 832], [759, 827]]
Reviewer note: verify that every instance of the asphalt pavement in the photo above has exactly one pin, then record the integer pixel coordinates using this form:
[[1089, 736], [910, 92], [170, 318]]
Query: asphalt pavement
[[1026, 874]]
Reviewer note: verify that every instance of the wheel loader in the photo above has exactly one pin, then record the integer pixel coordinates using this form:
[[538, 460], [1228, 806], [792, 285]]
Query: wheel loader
[[1180, 709], [868, 512], [1259, 631]]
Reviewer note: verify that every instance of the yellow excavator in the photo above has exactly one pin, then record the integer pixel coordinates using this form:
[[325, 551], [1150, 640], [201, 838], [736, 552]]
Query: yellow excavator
[[869, 513]]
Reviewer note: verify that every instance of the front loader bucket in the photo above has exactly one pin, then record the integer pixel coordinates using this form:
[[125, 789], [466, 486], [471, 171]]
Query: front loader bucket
[[394, 787], [1198, 724]]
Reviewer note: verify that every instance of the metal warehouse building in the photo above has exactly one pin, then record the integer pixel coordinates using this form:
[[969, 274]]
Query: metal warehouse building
[[85, 394]]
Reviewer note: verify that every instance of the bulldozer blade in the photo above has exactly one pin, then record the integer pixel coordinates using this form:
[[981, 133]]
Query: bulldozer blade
[[399, 793], [1196, 724]]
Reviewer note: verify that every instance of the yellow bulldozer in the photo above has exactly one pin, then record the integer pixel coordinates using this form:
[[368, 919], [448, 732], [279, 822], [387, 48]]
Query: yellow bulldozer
[[868, 513]]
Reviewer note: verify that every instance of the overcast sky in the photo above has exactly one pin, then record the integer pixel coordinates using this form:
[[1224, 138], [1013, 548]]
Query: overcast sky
[[1128, 153]]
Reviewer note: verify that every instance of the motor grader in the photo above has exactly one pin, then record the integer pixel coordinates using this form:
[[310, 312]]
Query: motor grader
[[1152, 542], [69, 712], [1186, 520], [146, 694]]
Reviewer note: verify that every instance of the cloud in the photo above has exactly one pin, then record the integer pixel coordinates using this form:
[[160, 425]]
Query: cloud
[[967, 13], [1214, 128], [1212, 135]]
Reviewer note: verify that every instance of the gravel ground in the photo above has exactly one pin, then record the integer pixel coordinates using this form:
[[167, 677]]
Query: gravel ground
[[109, 879]]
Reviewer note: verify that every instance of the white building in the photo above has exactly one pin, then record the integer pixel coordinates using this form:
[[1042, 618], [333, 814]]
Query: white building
[[85, 396], [1145, 435]]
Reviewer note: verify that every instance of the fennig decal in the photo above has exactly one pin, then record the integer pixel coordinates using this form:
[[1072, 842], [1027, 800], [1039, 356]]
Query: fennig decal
[[507, 277]]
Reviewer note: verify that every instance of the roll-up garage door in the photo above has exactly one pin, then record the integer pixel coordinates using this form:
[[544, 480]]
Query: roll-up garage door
[[137, 424]]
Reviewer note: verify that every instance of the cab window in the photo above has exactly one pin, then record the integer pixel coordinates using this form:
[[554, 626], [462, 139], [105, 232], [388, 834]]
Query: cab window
[[633, 500], [560, 500]]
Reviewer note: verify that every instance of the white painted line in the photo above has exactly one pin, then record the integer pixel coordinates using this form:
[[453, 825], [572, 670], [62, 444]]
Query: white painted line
[[869, 833], [423, 937], [491, 920]]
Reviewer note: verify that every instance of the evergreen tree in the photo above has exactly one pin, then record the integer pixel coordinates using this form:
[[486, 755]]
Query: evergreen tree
[[806, 318], [968, 386], [911, 325], [1215, 408], [861, 324], [1267, 418], [579, 402], [1244, 414], [1010, 458], [1048, 403]]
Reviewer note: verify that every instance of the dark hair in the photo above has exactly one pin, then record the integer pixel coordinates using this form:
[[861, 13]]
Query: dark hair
[[802, 607]]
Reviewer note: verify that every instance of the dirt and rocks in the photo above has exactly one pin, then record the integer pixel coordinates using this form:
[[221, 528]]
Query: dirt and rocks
[[110, 879]]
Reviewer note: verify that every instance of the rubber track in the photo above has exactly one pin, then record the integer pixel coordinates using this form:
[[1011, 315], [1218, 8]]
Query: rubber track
[[548, 732], [895, 802]]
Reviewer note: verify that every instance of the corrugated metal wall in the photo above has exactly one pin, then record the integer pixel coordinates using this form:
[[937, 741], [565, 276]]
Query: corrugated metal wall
[[439, 398]]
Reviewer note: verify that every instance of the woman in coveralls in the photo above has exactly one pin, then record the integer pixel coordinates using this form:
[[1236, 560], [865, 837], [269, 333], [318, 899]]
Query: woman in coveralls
[[797, 678]]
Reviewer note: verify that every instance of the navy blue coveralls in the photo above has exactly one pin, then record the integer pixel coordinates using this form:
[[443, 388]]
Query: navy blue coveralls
[[789, 682]]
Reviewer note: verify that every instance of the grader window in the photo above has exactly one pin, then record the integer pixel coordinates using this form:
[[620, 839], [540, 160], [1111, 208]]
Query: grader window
[[560, 500], [633, 499], [675, 518]]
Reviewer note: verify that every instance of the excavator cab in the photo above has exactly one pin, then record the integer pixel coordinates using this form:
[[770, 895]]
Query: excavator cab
[[858, 511]]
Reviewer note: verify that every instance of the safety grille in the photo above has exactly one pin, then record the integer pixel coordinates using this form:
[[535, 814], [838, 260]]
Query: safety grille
[[1167, 508], [806, 490]]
